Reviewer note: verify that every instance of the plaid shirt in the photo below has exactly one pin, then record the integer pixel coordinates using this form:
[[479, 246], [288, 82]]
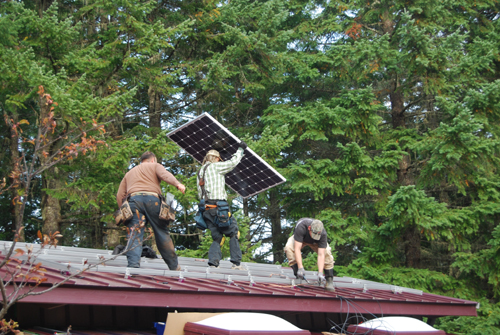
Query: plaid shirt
[[215, 179]]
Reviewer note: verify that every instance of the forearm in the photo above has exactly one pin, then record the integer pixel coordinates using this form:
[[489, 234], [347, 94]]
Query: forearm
[[169, 178], [225, 167]]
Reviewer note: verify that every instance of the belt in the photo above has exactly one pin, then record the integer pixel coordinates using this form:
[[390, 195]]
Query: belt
[[213, 202], [144, 193]]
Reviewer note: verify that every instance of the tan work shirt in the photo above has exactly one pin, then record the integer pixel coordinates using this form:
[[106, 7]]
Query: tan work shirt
[[145, 177]]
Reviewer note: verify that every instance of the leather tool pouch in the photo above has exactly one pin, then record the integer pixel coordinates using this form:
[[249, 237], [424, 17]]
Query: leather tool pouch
[[118, 217], [126, 212], [223, 216], [167, 213], [200, 222]]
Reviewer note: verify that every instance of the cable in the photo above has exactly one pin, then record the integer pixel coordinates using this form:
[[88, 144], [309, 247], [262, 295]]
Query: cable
[[358, 315]]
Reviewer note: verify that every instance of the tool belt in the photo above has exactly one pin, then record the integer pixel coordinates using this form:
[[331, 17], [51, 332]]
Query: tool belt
[[144, 193], [219, 209], [198, 218], [167, 213], [124, 213], [223, 218]]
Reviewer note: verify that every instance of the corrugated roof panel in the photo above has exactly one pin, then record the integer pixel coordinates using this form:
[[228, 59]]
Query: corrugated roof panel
[[258, 286]]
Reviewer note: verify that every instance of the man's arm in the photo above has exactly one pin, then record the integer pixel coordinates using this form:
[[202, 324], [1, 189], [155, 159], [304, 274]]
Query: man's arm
[[321, 260], [122, 192], [225, 167], [169, 178]]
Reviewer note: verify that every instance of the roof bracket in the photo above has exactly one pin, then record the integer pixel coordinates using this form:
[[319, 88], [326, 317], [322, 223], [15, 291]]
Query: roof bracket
[[230, 280], [365, 288], [127, 273], [396, 289], [181, 277]]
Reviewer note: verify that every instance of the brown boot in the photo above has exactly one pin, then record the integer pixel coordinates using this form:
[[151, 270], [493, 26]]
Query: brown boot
[[329, 280]]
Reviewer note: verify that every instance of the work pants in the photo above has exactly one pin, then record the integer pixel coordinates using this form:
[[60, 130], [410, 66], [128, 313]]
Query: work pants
[[215, 253], [149, 208], [290, 253]]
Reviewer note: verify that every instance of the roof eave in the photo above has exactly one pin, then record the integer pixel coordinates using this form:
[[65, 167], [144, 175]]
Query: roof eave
[[109, 296]]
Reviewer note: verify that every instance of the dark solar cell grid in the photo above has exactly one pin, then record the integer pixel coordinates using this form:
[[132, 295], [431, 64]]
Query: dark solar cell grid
[[251, 176]]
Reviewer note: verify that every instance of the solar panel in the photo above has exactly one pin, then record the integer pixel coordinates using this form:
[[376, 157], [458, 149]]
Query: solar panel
[[251, 176]]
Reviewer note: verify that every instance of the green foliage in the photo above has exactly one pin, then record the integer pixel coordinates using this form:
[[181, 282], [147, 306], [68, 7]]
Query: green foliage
[[487, 321], [382, 116], [484, 264], [414, 207]]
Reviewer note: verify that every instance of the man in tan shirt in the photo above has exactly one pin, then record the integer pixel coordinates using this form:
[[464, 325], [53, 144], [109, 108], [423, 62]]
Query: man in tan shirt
[[142, 184]]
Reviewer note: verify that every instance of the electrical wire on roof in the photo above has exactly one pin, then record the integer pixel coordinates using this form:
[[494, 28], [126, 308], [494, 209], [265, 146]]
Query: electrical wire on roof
[[358, 315]]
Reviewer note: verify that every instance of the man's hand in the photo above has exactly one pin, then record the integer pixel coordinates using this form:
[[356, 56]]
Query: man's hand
[[181, 188], [321, 279], [301, 273], [242, 145]]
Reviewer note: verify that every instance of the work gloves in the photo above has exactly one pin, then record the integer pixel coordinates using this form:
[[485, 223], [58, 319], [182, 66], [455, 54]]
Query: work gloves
[[321, 279], [242, 145], [301, 273]]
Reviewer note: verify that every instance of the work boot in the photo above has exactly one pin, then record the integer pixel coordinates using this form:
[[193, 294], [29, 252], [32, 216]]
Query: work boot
[[236, 267], [295, 268], [329, 280]]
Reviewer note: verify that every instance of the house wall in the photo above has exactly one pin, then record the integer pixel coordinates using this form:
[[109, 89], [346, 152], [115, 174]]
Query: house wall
[[91, 317], [59, 317]]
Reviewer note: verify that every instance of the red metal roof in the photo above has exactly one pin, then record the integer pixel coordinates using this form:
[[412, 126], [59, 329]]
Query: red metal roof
[[229, 290]]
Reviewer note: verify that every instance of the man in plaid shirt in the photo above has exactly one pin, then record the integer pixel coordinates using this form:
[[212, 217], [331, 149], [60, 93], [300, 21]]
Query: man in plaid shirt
[[212, 174]]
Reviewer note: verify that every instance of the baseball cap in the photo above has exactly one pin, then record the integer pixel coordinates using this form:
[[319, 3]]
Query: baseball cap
[[316, 229]]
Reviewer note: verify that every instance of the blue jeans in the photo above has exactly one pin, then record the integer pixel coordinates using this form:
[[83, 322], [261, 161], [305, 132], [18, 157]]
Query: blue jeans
[[149, 207], [215, 253]]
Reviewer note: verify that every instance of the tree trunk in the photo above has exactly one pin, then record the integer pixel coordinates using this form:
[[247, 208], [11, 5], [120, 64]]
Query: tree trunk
[[42, 6], [274, 215], [411, 236], [154, 109], [412, 246], [99, 235], [51, 207]]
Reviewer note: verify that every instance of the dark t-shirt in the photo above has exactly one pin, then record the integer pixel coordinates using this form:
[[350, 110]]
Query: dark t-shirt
[[301, 233]]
